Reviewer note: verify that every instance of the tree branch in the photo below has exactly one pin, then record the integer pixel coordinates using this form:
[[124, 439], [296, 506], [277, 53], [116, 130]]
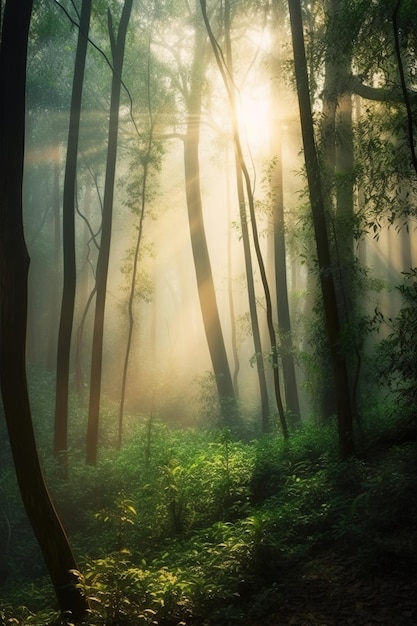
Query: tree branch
[[379, 94]]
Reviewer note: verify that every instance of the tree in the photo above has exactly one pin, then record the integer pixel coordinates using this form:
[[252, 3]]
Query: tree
[[117, 50], [205, 283], [146, 162], [327, 281], [260, 365], [283, 309], [230, 87], [68, 238], [279, 226], [14, 265]]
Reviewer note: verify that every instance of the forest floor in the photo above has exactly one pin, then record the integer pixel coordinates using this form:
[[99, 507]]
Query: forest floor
[[331, 592]]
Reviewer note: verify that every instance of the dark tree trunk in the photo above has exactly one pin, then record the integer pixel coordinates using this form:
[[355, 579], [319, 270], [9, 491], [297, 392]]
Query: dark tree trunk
[[337, 147], [14, 265], [205, 284], [118, 48], [68, 238], [340, 373]]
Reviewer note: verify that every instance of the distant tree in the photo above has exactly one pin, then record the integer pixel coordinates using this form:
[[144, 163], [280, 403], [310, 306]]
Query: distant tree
[[326, 271], [68, 239], [14, 265], [117, 52]]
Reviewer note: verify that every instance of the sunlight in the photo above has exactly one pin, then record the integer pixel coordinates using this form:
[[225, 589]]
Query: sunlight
[[253, 114]]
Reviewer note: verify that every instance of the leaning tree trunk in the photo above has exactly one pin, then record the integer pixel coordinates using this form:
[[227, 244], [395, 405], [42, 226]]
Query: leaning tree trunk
[[339, 367], [14, 266], [205, 283], [118, 48], [68, 240]]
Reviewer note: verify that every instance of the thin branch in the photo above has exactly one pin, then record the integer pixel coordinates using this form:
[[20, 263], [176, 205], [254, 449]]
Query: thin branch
[[105, 57]]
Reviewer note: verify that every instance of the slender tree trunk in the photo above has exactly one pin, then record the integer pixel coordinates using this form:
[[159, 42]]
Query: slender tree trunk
[[205, 283], [253, 312], [118, 47], [14, 265], [340, 372], [283, 309], [68, 238], [233, 332], [230, 88], [144, 183], [53, 290], [83, 282]]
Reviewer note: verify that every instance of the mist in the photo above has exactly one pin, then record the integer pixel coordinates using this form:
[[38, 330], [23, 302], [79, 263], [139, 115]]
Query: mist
[[213, 206]]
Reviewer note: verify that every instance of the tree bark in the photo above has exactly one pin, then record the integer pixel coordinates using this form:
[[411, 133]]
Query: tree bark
[[14, 265], [339, 367], [118, 48]]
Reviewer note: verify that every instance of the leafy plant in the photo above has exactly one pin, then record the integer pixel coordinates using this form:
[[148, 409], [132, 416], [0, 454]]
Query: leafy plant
[[398, 352]]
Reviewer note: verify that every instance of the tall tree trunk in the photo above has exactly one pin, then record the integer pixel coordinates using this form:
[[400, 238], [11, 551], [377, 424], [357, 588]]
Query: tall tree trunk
[[118, 48], [205, 283], [68, 238], [283, 309], [14, 265], [340, 372], [337, 167]]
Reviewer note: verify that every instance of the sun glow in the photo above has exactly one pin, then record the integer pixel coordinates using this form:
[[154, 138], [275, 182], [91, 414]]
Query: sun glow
[[253, 117]]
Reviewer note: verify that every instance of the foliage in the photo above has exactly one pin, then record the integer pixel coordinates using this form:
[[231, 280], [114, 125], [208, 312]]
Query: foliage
[[190, 527], [397, 354]]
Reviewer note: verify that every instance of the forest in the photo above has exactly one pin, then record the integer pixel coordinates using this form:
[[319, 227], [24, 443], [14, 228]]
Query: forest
[[208, 312]]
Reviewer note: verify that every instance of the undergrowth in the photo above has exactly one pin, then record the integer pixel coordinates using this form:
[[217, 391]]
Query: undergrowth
[[190, 527]]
